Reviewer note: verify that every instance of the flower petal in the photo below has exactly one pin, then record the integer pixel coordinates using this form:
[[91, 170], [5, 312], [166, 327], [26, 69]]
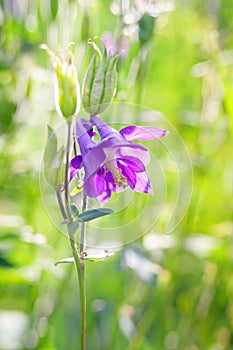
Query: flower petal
[[83, 136], [138, 151], [134, 163], [88, 126], [104, 197], [143, 183], [109, 187], [110, 181], [93, 161], [94, 185], [75, 165], [133, 132], [104, 129], [128, 173], [76, 162]]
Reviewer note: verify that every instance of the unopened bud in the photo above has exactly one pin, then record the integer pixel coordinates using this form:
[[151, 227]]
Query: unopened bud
[[100, 81], [67, 92]]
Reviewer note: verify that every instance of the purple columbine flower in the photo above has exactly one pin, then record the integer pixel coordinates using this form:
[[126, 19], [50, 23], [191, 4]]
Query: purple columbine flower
[[114, 163]]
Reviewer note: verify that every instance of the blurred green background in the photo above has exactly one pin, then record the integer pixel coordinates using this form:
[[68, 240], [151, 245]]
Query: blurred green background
[[163, 291]]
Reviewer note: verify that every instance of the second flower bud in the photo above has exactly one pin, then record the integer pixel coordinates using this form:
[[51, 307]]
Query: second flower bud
[[100, 81]]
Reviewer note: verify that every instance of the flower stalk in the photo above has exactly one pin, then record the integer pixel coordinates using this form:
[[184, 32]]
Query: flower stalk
[[60, 203], [80, 266], [83, 226], [67, 199]]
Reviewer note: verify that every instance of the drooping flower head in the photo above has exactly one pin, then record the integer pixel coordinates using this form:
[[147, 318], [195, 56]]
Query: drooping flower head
[[114, 163]]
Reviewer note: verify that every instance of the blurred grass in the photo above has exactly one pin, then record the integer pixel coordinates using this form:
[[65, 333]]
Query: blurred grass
[[185, 72]]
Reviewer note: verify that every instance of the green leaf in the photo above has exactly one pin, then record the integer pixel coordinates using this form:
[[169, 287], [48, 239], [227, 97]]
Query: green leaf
[[53, 160], [98, 257], [75, 190], [57, 168], [65, 261], [72, 227], [74, 210], [94, 214], [50, 152]]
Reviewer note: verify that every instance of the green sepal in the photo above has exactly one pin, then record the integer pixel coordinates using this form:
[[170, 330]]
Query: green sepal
[[94, 214]]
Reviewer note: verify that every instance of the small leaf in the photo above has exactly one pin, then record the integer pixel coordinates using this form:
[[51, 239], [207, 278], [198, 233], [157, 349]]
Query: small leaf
[[72, 227], [74, 210], [94, 214], [75, 191], [57, 167], [53, 160], [50, 151], [97, 257], [65, 261]]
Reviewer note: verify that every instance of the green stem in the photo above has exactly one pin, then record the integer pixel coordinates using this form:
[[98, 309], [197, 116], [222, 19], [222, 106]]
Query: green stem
[[83, 226], [67, 199], [60, 202], [80, 267]]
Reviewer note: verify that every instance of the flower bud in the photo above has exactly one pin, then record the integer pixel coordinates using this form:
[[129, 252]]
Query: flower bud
[[67, 92], [100, 81]]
